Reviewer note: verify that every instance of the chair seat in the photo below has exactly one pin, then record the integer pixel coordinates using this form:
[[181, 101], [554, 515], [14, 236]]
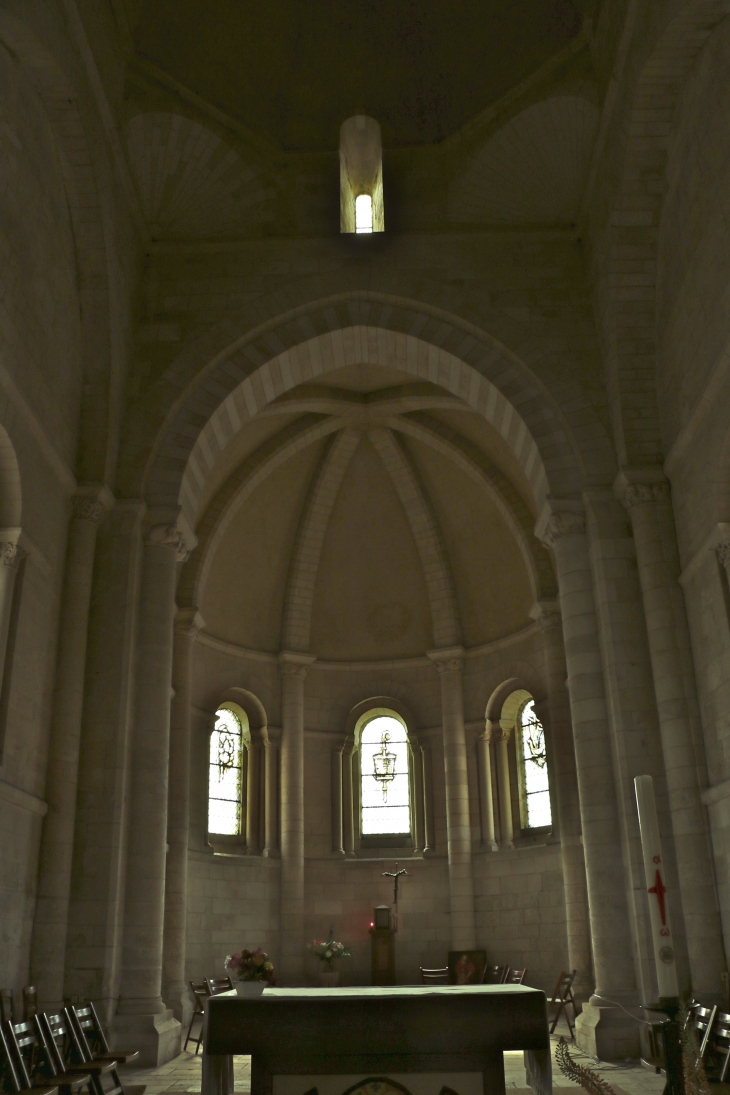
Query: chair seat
[[72, 1081], [122, 1056], [39, 1090]]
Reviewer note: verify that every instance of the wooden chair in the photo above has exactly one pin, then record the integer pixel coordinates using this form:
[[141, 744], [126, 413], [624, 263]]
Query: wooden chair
[[7, 1009], [434, 976], [718, 1047], [562, 997], [494, 975], [65, 1051], [35, 1060], [90, 1034], [200, 992], [703, 1020], [30, 1001], [11, 1072], [514, 977], [217, 985]]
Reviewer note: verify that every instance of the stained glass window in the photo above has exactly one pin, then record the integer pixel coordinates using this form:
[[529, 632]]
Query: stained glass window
[[224, 777], [535, 785], [386, 806]]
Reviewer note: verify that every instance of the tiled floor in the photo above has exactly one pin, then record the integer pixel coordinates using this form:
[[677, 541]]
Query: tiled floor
[[183, 1074]]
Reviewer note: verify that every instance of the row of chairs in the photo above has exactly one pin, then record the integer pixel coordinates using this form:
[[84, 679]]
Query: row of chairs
[[201, 990], [492, 975], [712, 1029], [60, 1053]]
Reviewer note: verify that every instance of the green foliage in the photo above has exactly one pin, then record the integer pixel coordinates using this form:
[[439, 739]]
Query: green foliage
[[588, 1079]]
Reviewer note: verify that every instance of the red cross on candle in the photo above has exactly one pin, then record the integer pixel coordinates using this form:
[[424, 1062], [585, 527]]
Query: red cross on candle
[[660, 889]]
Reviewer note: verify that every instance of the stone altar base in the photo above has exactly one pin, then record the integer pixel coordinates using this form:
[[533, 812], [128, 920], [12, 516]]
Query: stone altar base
[[397, 1083]]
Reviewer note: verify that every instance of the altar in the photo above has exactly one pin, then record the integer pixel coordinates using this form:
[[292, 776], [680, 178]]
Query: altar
[[377, 1041]]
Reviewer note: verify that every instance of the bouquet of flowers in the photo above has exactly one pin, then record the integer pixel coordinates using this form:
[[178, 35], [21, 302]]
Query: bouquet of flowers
[[329, 950], [251, 966]]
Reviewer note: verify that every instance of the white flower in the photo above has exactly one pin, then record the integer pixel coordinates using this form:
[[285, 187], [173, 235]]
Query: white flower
[[328, 954]]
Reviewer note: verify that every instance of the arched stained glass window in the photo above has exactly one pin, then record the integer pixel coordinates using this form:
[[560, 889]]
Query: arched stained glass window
[[385, 791], [533, 769], [225, 774]]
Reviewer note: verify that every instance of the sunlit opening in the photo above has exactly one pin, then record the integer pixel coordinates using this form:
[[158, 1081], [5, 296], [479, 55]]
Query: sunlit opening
[[384, 766], [537, 787], [224, 774], [363, 213]]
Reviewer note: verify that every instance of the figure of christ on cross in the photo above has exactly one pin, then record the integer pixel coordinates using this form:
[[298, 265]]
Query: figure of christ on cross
[[395, 875]]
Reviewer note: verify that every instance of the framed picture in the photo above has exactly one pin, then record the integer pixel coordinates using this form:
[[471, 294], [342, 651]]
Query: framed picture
[[466, 967]]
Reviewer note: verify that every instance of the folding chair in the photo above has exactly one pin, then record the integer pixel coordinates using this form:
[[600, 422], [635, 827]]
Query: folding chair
[[703, 1020], [435, 976], [92, 1038], [217, 985], [66, 1054], [200, 992], [35, 1060], [514, 977], [493, 975], [11, 1074], [718, 1046], [562, 996]]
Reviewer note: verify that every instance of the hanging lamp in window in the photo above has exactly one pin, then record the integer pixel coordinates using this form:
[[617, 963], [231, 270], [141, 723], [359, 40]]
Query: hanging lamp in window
[[361, 176], [384, 765]]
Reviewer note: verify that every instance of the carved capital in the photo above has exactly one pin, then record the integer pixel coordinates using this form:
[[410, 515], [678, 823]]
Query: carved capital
[[11, 554], [643, 494], [494, 731], [563, 523], [450, 660], [723, 552], [86, 508], [169, 536], [292, 664], [547, 614], [289, 669], [188, 622]]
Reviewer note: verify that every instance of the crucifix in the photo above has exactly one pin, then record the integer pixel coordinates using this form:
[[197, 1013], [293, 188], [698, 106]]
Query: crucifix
[[395, 875]]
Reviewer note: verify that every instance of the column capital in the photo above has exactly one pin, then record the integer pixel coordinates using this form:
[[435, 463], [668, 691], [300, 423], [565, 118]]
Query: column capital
[[723, 552], [448, 660], [11, 554], [546, 613], [560, 517], [641, 486], [91, 503], [188, 622], [294, 664], [168, 527], [494, 731]]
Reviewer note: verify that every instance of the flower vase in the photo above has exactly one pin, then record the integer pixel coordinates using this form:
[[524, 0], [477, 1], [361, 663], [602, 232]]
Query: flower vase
[[250, 988], [329, 979]]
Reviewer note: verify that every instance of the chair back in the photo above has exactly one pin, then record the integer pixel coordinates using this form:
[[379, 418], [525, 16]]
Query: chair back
[[30, 1001], [7, 1011], [61, 1039], [96, 1035], [218, 984], [435, 976], [514, 977], [200, 992], [493, 975], [719, 1044], [10, 1067], [564, 987], [31, 1052], [82, 1022], [702, 1020]]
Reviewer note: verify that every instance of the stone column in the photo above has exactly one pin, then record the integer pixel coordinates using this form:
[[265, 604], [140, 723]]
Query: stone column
[[486, 802], [11, 556], [50, 925], [417, 795], [605, 1032], [187, 625], [429, 837], [565, 778], [348, 799], [292, 669], [458, 822], [500, 736], [337, 811], [253, 793], [142, 1018], [645, 495], [271, 788]]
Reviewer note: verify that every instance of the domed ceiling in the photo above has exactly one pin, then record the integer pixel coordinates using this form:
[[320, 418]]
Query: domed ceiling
[[377, 502], [292, 70]]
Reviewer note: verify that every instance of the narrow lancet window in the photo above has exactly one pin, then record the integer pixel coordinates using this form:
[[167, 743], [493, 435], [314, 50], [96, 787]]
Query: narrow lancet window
[[385, 792], [534, 770], [225, 774], [363, 213]]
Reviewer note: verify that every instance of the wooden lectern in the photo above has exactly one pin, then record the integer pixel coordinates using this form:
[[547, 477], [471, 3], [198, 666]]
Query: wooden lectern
[[382, 947]]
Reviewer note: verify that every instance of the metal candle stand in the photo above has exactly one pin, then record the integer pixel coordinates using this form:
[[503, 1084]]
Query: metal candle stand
[[672, 1038]]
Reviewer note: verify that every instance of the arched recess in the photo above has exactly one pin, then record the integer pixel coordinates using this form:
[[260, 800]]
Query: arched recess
[[229, 380], [11, 497], [251, 704], [101, 321], [630, 333], [526, 679]]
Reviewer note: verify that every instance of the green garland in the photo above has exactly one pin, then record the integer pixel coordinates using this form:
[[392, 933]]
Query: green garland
[[588, 1079]]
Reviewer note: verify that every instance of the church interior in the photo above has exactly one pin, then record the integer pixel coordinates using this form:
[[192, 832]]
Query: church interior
[[364, 498]]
